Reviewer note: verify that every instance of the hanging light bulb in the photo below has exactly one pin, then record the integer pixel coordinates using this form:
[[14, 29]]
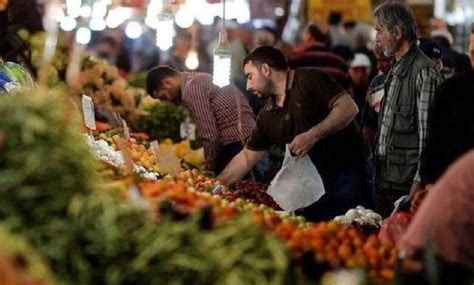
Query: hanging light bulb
[[133, 30], [222, 57], [97, 24], [73, 8], [154, 8], [59, 15], [192, 60], [86, 11], [83, 35], [184, 17], [165, 28], [68, 23], [222, 61], [99, 9], [164, 34], [113, 19]]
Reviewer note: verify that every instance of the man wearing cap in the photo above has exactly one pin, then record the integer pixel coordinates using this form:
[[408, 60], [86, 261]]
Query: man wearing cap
[[359, 72], [403, 120], [453, 62], [432, 50]]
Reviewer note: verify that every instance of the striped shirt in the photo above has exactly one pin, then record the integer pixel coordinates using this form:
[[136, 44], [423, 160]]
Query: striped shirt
[[426, 82], [216, 113]]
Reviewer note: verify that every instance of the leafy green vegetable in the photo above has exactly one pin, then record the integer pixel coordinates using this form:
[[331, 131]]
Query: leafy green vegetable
[[44, 163], [120, 244], [162, 120], [17, 251]]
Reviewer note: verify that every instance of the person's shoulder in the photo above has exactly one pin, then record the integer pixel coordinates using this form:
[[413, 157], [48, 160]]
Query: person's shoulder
[[378, 82], [423, 63], [456, 85], [201, 77], [310, 73], [198, 79], [379, 79]]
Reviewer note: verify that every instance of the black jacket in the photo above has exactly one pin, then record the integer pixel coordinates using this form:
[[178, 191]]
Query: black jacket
[[450, 127]]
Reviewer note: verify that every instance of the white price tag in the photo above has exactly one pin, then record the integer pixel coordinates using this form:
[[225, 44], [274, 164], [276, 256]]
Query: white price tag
[[154, 148], [126, 131], [166, 159], [187, 130], [88, 111], [127, 155]]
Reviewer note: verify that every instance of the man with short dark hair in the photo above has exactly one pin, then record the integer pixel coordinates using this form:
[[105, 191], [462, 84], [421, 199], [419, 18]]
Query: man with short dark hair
[[403, 120], [223, 116], [311, 113], [317, 54], [181, 48]]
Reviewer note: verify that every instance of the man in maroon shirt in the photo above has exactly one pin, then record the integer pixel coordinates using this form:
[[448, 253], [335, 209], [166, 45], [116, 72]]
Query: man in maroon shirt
[[223, 117], [311, 113]]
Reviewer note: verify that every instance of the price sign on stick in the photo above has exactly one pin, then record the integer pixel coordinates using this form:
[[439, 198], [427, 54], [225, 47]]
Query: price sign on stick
[[187, 130], [154, 149], [126, 131], [88, 111], [166, 159], [127, 155]]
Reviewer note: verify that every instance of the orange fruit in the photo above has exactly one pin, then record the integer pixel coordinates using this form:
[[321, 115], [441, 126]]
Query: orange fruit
[[387, 274], [344, 251]]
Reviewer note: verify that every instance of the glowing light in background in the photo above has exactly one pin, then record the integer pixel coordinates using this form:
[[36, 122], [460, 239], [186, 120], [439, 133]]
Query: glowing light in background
[[68, 23], [154, 8], [97, 24], [73, 8], [83, 35], [164, 34], [192, 60], [133, 30], [99, 9], [86, 11], [184, 17], [222, 62]]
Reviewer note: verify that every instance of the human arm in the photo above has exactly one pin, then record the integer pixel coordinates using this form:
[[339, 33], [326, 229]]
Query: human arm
[[426, 83], [343, 111], [239, 166]]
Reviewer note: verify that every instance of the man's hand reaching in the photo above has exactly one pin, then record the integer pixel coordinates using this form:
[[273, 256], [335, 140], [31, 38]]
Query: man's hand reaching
[[302, 143]]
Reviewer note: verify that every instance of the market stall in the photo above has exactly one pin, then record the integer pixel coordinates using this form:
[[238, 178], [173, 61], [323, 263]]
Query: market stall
[[107, 186]]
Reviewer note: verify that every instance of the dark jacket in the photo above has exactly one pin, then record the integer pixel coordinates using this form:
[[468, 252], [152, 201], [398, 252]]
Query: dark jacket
[[451, 126], [401, 160]]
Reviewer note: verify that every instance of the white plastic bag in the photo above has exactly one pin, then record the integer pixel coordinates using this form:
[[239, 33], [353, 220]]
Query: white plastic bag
[[297, 184]]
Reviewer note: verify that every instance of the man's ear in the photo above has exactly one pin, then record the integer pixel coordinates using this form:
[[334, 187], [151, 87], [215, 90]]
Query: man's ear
[[266, 69], [398, 32], [167, 82]]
